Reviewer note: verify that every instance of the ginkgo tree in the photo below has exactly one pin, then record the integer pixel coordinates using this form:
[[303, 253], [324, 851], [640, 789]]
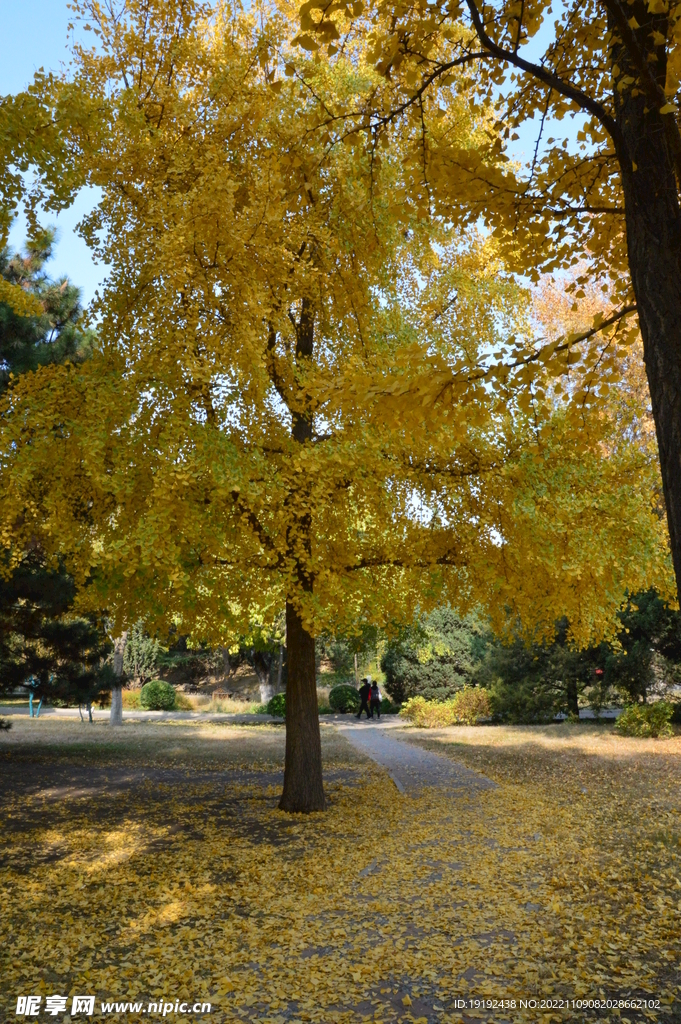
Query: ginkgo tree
[[250, 431], [596, 87]]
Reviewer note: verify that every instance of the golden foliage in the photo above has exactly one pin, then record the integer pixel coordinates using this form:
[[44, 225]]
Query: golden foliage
[[561, 883], [272, 270], [468, 706]]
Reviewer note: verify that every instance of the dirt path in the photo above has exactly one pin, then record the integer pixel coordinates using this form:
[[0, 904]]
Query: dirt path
[[410, 767]]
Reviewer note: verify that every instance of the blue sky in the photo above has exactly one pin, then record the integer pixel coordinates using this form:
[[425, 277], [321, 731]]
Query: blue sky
[[35, 35]]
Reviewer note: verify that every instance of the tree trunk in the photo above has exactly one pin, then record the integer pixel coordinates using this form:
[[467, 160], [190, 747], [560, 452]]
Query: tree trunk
[[266, 692], [653, 225], [280, 668], [116, 716], [264, 673], [356, 672], [303, 786], [572, 697]]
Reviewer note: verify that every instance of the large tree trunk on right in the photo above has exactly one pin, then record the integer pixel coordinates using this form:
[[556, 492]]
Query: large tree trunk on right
[[303, 786], [653, 224]]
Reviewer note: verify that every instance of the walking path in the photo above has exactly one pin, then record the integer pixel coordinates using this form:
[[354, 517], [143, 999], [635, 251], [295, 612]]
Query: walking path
[[410, 767]]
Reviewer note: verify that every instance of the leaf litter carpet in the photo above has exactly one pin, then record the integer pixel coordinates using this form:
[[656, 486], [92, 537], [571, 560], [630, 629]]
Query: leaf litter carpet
[[447, 904]]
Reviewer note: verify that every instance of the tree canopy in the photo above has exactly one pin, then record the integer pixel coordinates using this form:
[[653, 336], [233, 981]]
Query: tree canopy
[[435, 658], [300, 391], [609, 203]]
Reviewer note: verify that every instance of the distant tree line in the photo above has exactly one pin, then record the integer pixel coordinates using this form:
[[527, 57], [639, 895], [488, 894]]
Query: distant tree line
[[533, 682]]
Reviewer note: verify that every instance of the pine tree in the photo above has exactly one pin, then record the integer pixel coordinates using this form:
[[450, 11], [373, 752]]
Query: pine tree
[[141, 653], [27, 342], [42, 645]]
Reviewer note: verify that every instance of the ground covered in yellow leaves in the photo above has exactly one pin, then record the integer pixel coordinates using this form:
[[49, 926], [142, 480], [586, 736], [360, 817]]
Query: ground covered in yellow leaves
[[150, 864]]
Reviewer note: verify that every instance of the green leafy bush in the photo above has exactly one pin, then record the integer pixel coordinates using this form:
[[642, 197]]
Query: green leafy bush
[[646, 719], [157, 696], [344, 698], [325, 709], [389, 708], [277, 705], [466, 708]]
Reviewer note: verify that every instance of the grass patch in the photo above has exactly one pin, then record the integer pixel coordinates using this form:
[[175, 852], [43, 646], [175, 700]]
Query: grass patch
[[143, 743]]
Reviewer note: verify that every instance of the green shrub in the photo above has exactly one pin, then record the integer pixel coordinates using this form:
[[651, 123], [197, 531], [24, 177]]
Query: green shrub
[[157, 696], [467, 707], [345, 698], [325, 709], [389, 708], [277, 705], [646, 719]]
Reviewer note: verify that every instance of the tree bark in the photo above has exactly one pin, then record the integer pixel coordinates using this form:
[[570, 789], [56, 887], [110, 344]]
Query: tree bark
[[266, 692], [572, 697], [303, 783], [280, 668], [116, 715], [303, 786], [653, 227]]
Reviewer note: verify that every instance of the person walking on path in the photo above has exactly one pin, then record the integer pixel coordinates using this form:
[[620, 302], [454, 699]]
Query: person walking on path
[[364, 695], [375, 700]]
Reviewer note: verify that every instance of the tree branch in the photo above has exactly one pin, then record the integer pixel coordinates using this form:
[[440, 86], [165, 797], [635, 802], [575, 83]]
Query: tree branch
[[256, 526], [548, 78], [272, 366], [576, 340]]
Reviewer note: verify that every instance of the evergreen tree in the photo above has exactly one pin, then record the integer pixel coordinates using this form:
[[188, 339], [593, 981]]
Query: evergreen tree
[[141, 654], [433, 659], [55, 337], [43, 646], [532, 683], [648, 656]]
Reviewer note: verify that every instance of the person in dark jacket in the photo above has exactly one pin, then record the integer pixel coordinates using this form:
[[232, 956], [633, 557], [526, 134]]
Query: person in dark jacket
[[364, 694], [375, 700]]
